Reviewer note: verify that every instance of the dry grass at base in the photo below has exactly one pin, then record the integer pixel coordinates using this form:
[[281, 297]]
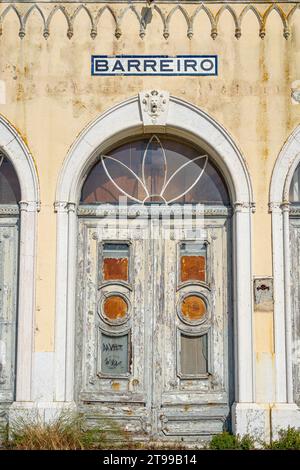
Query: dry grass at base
[[69, 432], [63, 433]]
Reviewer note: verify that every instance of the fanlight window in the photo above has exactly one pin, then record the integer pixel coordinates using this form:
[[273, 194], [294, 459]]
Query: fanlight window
[[10, 192], [295, 187], [155, 170]]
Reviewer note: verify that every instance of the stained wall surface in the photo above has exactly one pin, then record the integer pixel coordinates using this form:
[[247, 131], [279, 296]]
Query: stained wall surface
[[49, 96]]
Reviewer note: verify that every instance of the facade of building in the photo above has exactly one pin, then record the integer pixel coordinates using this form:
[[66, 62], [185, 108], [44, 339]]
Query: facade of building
[[171, 329]]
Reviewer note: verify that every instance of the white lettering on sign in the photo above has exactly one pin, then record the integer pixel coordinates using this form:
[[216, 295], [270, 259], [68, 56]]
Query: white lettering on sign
[[155, 65]]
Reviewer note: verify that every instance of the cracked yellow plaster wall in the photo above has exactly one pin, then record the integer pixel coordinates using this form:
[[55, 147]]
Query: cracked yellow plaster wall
[[51, 96]]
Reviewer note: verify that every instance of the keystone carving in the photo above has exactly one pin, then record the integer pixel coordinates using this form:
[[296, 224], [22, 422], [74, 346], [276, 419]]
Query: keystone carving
[[154, 107]]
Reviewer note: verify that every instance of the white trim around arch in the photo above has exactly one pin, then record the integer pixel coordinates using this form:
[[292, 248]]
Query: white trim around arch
[[12, 145], [285, 412], [182, 119]]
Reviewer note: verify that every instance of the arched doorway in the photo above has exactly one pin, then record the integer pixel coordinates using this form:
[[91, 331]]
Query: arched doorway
[[124, 123], [294, 229], [19, 204], [285, 220], [154, 290], [10, 195]]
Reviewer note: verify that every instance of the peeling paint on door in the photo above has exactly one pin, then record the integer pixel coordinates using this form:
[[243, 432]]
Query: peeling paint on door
[[166, 318]]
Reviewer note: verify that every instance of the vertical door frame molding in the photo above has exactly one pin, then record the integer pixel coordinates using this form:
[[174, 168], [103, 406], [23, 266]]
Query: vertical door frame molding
[[285, 412], [12, 145], [127, 119]]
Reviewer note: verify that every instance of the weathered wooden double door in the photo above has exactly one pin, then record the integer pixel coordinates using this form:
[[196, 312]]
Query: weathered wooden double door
[[152, 325], [10, 195], [9, 228], [295, 298]]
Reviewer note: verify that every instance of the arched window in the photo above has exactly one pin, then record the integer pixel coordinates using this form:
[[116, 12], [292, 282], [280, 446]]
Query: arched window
[[155, 170], [10, 192]]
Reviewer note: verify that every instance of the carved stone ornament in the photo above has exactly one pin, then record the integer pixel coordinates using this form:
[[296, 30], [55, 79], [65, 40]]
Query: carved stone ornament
[[154, 107], [160, 11], [244, 207], [295, 93]]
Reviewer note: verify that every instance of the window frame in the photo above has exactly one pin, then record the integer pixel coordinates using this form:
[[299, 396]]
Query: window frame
[[103, 375], [181, 284], [194, 333], [108, 152], [100, 263]]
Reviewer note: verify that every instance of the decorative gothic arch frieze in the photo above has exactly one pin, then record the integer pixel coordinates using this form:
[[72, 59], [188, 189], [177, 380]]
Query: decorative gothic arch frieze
[[12, 145], [162, 13]]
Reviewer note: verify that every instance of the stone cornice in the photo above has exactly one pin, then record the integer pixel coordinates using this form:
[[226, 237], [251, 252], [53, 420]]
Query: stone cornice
[[9, 209], [103, 211], [163, 10]]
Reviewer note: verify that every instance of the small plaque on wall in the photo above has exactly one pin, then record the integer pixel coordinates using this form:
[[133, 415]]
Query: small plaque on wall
[[263, 293]]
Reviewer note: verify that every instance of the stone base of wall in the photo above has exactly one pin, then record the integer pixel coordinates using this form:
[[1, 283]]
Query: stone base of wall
[[284, 415], [252, 419], [263, 421], [44, 412]]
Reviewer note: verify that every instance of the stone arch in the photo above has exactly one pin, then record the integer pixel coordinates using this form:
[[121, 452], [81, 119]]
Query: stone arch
[[285, 166], [14, 148]]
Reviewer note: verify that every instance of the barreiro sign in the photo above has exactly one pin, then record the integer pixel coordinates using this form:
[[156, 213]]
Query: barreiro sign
[[155, 65]]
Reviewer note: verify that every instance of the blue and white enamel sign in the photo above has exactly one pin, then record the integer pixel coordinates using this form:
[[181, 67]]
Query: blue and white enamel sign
[[197, 65]]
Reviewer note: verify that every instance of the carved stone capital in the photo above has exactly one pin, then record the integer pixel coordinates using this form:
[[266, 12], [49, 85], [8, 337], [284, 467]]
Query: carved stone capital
[[154, 105], [71, 207], [63, 206], [274, 206], [244, 207], [285, 206], [279, 206], [60, 206], [29, 206]]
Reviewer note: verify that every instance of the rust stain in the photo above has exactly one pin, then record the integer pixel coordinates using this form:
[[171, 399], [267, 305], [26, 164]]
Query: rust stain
[[20, 93], [78, 107], [192, 268], [262, 123], [115, 269], [26, 71], [24, 139], [193, 307], [115, 307], [115, 386], [265, 76], [135, 382]]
